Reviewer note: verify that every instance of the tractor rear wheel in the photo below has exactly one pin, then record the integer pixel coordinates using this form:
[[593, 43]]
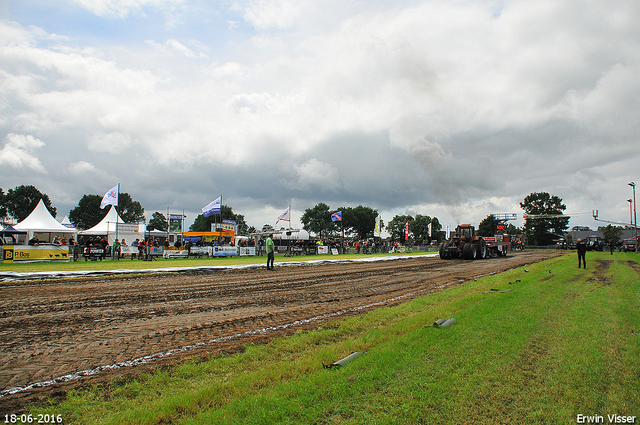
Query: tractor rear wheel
[[469, 251], [482, 249]]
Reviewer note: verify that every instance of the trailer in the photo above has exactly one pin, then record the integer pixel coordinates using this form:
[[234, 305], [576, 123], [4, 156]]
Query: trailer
[[464, 243]]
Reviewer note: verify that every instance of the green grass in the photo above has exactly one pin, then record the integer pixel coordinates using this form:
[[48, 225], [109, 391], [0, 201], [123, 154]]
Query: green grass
[[109, 264], [559, 344]]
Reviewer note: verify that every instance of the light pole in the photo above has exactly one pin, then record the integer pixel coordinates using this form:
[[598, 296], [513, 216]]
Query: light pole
[[630, 201], [635, 217]]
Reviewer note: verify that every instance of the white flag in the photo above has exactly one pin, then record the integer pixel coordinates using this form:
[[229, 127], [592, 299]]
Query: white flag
[[111, 197], [285, 216], [213, 208]]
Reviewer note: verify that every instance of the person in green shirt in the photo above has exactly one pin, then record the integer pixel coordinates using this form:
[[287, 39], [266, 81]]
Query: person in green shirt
[[115, 250], [271, 251]]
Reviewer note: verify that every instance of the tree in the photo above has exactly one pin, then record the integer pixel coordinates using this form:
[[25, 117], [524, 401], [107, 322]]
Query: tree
[[203, 224], [360, 221], [487, 227], [396, 227], [22, 200], [513, 230], [88, 213], [549, 225], [130, 211], [317, 220], [611, 234], [267, 228], [3, 208], [420, 228], [159, 221]]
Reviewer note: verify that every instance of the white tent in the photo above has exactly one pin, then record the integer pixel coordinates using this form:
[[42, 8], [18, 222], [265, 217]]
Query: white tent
[[65, 222], [42, 223], [113, 226]]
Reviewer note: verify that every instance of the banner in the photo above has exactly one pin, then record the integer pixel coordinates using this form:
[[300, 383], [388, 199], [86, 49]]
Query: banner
[[111, 197], [406, 231], [213, 208], [336, 216], [377, 229], [175, 253], [18, 253], [175, 223], [247, 251], [224, 251]]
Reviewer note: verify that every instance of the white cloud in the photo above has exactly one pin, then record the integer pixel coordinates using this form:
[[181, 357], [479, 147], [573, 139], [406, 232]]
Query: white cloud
[[122, 8], [81, 168], [314, 174], [462, 101], [279, 14], [17, 152]]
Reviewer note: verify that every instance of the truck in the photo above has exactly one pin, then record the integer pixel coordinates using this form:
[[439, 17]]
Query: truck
[[464, 243]]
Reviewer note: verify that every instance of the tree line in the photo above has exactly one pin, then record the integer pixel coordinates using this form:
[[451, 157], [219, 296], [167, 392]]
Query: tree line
[[359, 222]]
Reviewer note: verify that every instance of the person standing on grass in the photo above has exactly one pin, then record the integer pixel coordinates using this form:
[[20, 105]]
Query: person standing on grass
[[582, 253], [271, 251], [115, 250]]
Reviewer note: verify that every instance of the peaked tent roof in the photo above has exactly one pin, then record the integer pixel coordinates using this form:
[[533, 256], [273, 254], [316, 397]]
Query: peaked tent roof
[[106, 225], [65, 222], [41, 220]]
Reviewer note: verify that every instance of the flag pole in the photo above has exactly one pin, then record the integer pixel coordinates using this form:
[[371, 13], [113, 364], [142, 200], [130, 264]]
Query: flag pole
[[117, 215]]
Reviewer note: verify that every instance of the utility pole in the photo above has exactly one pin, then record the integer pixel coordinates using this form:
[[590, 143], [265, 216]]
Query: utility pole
[[635, 217]]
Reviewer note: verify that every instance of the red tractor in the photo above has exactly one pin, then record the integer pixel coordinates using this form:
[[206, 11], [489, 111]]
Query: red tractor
[[465, 244]]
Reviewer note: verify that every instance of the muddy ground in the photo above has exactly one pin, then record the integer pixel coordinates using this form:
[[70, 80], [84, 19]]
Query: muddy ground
[[53, 329]]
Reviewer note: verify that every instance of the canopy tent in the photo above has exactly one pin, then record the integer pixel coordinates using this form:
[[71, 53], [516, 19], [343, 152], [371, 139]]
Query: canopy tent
[[112, 226], [41, 223], [65, 222], [10, 236]]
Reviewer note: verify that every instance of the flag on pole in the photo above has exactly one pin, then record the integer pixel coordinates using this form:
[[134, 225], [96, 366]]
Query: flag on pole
[[406, 231], [285, 216], [336, 216], [213, 207], [111, 197], [377, 229]]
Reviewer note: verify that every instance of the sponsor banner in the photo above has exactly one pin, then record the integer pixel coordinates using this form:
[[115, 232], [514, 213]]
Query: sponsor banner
[[7, 254], [128, 228], [156, 250], [247, 251], [224, 251], [201, 250], [323, 249], [334, 251], [19, 253], [175, 223], [133, 250], [174, 253]]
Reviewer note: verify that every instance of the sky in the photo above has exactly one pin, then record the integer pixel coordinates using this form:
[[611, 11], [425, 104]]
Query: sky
[[454, 109]]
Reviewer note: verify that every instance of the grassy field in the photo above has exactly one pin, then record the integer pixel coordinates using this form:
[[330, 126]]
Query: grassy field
[[548, 344]]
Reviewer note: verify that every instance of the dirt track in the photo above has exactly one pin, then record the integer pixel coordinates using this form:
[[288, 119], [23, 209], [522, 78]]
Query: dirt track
[[55, 328]]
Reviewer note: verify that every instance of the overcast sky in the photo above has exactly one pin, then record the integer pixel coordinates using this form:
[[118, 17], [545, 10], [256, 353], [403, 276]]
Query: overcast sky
[[453, 109]]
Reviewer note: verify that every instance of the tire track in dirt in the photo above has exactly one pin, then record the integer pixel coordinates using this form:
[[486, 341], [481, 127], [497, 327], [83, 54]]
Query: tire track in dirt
[[47, 331]]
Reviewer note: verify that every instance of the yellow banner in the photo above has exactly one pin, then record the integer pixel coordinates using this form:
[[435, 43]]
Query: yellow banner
[[35, 253]]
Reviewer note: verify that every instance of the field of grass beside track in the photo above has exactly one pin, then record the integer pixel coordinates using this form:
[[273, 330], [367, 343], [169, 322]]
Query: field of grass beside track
[[562, 342]]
